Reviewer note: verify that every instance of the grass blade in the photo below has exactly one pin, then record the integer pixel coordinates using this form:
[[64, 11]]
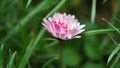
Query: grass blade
[[115, 51], [56, 8], [26, 55], [11, 61], [99, 31], [51, 44], [28, 3], [111, 25], [29, 66], [113, 40], [49, 61], [116, 19], [1, 56], [116, 60], [93, 11], [55, 41]]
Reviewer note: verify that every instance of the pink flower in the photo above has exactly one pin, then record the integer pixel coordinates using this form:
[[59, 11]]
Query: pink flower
[[63, 26]]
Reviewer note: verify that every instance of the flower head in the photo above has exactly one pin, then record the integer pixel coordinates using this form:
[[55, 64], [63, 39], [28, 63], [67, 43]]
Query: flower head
[[63, 26]]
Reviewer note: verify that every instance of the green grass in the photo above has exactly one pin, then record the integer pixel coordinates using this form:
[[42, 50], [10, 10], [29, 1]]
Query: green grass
[[24, 42]]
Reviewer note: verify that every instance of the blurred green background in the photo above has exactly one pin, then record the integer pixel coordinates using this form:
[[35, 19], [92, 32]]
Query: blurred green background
[[23, 38]]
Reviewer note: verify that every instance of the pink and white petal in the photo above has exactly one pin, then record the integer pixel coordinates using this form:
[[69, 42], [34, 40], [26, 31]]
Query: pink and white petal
[[63, 36], [73, 16], [46, 26], [78, 32], [64, 14], [46, 22], [81, 26], [68, 36], [77, 37], [49, 27], [50, 19]]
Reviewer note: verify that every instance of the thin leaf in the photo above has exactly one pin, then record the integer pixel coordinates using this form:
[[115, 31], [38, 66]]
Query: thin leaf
[[49, 61], [56, 8], [22, 34], [115, 51], [11, 61], [113, 40], [99, 31], [116, 19], [26, 55], [55, 41], [51, 44], [51, 39], [1, 48], [116, 60], [93, 11], [28, 3], [29, 66], [111, 25], [1, 56]]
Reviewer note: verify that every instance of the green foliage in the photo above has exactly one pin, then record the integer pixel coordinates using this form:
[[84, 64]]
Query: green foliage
[[11, 61], [24, 43], [69, 54], [90, 64]]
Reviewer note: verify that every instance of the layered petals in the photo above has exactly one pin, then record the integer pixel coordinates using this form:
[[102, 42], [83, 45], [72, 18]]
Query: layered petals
[[63, 26]]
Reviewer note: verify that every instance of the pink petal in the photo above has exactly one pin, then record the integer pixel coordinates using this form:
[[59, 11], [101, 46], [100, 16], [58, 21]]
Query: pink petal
[[63, 26]]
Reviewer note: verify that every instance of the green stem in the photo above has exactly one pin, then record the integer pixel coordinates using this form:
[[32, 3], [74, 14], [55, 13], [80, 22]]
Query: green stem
[[60, 54], [93, 11]]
